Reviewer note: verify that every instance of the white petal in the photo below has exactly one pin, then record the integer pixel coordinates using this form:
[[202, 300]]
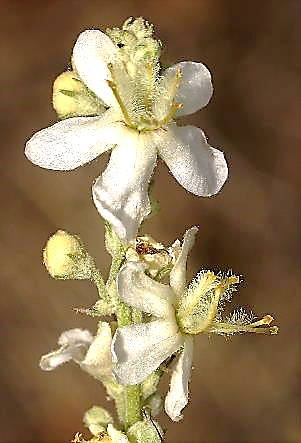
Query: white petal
[[143, 293], [195, 89], [175, 249], [116, 436], [140, 349], [197, 166], [177, 397], [72, 142], [178, 272], [92, 53], [74, 344], [121, 193], [98, 360], [75, 336]]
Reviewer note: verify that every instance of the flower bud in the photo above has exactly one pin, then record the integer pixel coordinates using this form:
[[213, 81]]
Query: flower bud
[[72, 98], [66, 258]]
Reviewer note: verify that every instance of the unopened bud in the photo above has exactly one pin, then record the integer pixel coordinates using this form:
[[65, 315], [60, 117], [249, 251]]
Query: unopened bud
[[72, 98], [66, 258]]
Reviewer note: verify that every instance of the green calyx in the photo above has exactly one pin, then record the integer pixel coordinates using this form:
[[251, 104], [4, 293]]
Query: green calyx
[[146, 431]]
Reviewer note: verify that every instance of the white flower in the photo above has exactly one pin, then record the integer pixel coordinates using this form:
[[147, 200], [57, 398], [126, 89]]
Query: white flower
[[139, 349], [123, 72], [93, 354], [178, 312]]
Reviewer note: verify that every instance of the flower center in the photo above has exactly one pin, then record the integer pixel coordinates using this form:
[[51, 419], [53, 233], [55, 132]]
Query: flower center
[[146, 99]]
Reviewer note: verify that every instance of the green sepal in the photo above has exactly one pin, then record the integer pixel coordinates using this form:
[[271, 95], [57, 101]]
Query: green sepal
[[150, 384], [112, 242], [68, 92], [146, 431], [101, 308], [97, 417], [154, 404]]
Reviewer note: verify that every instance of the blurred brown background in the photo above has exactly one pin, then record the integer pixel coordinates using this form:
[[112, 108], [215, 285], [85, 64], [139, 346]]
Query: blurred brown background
[[246, 389]]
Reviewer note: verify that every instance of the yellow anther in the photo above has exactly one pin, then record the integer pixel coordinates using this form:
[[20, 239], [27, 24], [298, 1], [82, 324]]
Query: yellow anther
[[266, 320], [178, 106], [179, 74]]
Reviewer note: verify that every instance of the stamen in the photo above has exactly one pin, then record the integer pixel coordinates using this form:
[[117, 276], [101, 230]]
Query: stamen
[[150, 72], [213, 307], [173, 109], [172, 93], [176, 83], [178, 106], [255, 327], [266, 320], [114, 88]]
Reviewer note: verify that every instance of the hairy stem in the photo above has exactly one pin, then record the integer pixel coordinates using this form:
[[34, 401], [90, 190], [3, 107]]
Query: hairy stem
[[128, 402], [100, 284]]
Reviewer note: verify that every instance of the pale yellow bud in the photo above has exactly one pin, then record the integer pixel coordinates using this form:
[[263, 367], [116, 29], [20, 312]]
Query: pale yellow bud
[[65, 257], [72, 98]]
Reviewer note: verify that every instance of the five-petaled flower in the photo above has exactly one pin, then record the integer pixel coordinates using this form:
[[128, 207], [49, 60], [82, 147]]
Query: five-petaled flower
[[130, 106], [180, 312]]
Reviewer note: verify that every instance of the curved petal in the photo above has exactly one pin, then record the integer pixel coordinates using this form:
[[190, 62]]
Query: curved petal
[[73, 142], [75, 336], [140, 349], [98, 360], [197, 166], [195, 89], [177, 397], [143, 293], [92, 53], [178, 272], [74, 344], [121, 193]]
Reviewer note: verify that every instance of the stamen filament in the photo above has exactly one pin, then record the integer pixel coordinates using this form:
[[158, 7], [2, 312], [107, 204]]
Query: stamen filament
[[255, 327], [115, 91], [213, 307], [225, 328]]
